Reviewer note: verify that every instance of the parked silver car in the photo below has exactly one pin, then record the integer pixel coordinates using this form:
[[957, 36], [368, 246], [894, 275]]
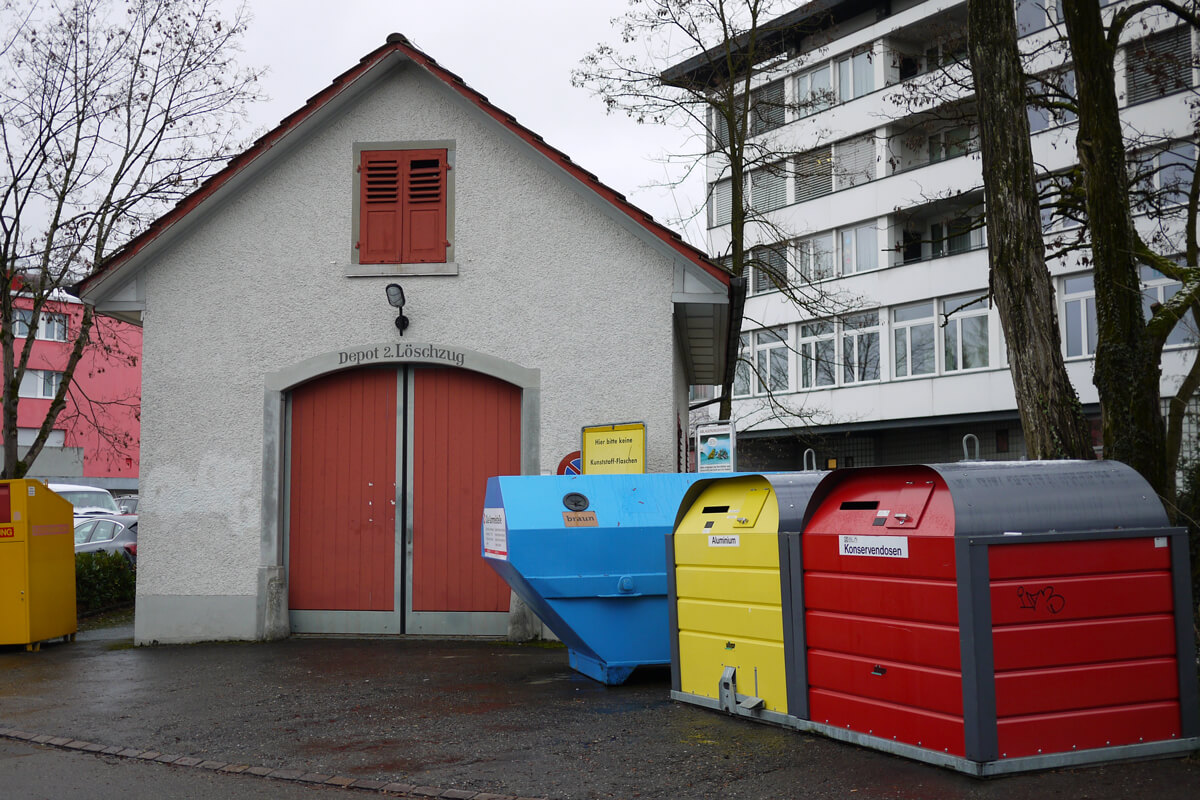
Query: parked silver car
[[115, 533], [87, 500]]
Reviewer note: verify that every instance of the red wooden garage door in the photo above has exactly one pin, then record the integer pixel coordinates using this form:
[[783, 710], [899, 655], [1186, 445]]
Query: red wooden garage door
[[466, 428], [342, 514]]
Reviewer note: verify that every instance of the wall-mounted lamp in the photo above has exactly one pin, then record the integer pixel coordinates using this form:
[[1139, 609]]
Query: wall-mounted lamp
[[395, 296]]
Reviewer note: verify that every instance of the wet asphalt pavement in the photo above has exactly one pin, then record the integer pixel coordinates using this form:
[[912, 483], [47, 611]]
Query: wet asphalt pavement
[[465, 716]]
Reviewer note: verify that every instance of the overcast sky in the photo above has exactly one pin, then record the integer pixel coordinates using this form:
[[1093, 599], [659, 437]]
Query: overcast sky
[[518, 53]]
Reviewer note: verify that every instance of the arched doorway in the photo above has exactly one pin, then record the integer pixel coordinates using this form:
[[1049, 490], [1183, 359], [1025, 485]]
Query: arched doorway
[[386, 469]]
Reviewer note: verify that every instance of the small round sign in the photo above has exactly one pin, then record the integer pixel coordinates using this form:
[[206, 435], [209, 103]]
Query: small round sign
[[572, 464]]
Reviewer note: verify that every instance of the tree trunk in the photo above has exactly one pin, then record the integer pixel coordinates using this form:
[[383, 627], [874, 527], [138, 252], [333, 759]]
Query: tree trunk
[[1127, 359], [1051, 415]]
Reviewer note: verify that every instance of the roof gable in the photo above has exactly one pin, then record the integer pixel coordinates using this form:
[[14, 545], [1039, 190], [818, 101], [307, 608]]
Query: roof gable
[[396, 46]]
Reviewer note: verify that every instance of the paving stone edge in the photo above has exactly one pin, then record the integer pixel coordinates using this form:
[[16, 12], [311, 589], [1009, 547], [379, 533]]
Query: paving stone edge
[[297, 775]]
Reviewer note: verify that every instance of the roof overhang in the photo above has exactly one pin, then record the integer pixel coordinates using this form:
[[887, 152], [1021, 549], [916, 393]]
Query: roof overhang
[[784, 35]]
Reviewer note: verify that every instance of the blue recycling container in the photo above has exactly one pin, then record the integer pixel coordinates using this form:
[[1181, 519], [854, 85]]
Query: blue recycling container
[[588, 554]]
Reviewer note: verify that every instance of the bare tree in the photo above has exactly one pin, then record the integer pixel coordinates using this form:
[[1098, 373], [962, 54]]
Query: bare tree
[[1051, 415], [108, 111], [1129, 347], [701, 66]]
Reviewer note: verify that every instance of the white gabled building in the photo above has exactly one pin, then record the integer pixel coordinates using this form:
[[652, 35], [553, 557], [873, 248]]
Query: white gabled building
[[878, 191], [309, 465]]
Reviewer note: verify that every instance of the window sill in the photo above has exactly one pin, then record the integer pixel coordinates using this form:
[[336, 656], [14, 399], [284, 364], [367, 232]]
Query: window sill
[[378, 270]]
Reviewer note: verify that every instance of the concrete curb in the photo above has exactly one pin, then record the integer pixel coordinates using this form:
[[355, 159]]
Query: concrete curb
[[390, 788]]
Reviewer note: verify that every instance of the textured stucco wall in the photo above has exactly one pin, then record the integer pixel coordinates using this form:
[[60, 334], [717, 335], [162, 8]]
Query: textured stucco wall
[[547, 279]]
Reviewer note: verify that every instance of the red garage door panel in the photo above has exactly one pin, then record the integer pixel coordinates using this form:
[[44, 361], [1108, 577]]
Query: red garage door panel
[[466, 428], [342, 520]]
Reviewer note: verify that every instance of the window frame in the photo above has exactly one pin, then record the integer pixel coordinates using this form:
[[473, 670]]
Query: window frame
[[806, 257], [905, 328], [770, 345], [851, 255], [954, 320], [1085, 301], [811, 337], [448, 267], [46, 387], [743, 372], [854, 330], [769, 260], [1154, 289]]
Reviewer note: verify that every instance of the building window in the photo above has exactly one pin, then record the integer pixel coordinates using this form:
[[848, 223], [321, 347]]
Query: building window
[[950, 143], [767, 108], [741, 372], [859, 248], [814, 257], [958, 235], [913, 340], [1162, 178], [854, 162], [1049, 98], [768, 188], [1056, 213], [22, 317], [771, 359], [1158, 65], [770, 268], [855, 76], [402, 206], [1158, 289], [1032, 16], [39, 383], [720, 204], [718, 129], [51, 327], [814, 90], [965, 333], [817, 355], [860, 348], [1079, 315], [814, 174]]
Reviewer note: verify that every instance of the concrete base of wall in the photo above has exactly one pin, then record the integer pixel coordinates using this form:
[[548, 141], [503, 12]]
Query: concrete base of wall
[[177, 619]]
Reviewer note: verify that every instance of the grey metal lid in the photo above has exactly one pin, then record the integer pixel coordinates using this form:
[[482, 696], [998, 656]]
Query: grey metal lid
[[993, 497]]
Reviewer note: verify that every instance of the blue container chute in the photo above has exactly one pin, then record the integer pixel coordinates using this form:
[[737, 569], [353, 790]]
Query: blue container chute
[[588, 554]]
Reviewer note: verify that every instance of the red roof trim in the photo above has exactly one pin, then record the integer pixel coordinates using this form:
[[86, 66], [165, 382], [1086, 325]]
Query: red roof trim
[[398, 43]]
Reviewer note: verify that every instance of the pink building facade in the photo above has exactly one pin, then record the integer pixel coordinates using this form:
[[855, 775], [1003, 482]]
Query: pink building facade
[[95, 441]]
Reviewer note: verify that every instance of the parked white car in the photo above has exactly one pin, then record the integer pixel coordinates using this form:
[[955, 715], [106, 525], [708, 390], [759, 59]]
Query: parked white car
[[87, 500]]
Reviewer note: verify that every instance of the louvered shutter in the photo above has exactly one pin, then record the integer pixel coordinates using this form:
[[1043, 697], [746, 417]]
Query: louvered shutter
[[854, 161], [1159, 65], [424, 204], [379, 216], [814, 174]]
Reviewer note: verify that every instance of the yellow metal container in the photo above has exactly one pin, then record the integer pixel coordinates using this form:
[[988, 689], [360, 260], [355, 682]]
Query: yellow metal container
[[37, 564], [728, 608]]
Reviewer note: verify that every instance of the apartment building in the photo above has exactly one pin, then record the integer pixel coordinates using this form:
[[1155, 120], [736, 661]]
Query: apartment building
[[96, 439], [868, 336]]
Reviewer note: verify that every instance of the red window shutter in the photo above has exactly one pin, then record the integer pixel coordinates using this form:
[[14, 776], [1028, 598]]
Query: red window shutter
[[379, 207], [424, 213]]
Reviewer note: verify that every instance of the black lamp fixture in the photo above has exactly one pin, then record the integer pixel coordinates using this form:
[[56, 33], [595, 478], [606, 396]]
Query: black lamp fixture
[[395, 296]]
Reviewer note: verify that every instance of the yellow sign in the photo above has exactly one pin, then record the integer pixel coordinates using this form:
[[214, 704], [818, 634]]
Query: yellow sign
[[614, 449]]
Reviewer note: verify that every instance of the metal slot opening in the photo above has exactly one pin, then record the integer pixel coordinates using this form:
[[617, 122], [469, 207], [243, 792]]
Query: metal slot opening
[[860, 505], [715, 509]]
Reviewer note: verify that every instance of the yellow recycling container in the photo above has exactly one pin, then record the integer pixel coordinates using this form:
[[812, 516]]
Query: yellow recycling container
[[37, 565], [730, 646]]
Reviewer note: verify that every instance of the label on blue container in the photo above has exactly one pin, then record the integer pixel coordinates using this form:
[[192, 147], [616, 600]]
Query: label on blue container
[[495, 534]]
